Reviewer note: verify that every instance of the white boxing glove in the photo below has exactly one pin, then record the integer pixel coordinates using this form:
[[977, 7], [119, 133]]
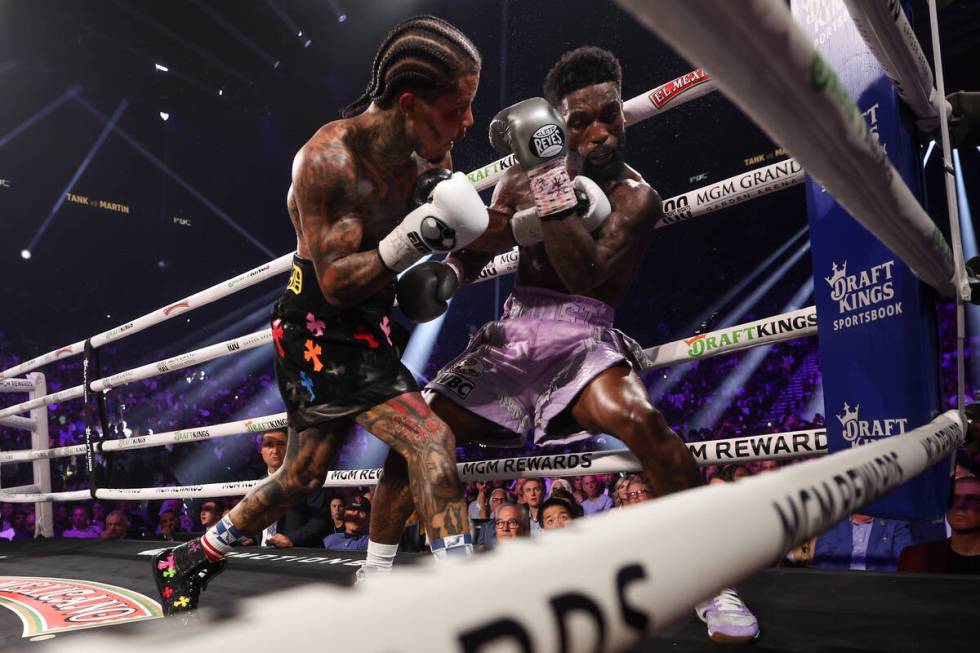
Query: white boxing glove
[[593, 208], [453, 218]]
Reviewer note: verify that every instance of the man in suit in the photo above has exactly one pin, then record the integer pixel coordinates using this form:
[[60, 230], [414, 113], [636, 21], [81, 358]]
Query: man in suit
[[304, 524], [862, 542]]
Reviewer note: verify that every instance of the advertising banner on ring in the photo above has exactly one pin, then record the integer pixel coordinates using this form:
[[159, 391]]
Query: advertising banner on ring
[[877, 329]]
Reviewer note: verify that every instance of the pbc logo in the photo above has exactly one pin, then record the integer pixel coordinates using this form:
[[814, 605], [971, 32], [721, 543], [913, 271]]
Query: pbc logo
[[548, 141], [457, 384], [859, 431], [471, 367]]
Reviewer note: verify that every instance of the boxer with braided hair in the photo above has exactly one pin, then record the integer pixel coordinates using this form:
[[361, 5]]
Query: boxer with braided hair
[[336, 363]]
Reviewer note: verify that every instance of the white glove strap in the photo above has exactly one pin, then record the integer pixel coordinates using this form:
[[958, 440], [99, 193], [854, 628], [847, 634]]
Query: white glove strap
[[526, 226], [551, 187], [403, 246]]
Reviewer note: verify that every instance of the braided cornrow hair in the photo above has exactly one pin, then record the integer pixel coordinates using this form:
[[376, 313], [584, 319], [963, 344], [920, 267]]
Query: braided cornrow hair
[[425, 55]]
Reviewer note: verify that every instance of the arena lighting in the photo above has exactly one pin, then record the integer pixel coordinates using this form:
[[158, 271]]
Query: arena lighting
[[234, 31], [728, 390], [160, 165], [337, 10], [925, 159], [44, 111], [25, 254], [161, 68], [221, 91], [674, 375], [106, 130], [968, 236], [129, 8], [164, 116]]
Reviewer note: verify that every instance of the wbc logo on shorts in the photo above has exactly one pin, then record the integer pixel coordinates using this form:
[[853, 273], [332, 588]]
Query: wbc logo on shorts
[[548, 141]]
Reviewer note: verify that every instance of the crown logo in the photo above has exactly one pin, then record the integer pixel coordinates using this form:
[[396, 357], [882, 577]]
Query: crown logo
[[850, 415], [838, 273]]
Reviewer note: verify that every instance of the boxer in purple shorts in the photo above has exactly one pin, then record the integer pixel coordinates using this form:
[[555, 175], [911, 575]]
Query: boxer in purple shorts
[[522, 372], [552, 366]]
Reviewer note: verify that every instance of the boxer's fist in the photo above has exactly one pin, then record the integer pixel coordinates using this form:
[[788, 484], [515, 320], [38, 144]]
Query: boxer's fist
[[452, 217], [535, 133], [423, 292], [532, 130], [593, 208]]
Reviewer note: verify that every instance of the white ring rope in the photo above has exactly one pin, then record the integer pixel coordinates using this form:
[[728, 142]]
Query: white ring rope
[[647, 566], [887, 32], [746, 449], [799, 102], [197, 300], [800, 323], [16, 385], [660, 99], [22, 423], [179, 362], [196, 434]]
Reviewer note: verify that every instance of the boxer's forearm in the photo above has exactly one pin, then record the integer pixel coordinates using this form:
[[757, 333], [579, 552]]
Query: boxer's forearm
[[498, 237], [353, 278], [573, 253]]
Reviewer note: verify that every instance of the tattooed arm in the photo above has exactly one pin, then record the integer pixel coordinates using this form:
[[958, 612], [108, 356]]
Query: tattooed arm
[[331, 228]]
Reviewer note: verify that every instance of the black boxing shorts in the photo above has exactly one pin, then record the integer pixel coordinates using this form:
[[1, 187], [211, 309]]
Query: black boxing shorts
[[334, 362]]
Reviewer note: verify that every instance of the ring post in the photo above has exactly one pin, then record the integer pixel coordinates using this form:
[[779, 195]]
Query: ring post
[[877, 329], [43, 515]]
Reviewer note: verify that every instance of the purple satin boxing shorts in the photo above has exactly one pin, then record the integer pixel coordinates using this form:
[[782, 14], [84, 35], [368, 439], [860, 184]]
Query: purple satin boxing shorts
[[526, 368]]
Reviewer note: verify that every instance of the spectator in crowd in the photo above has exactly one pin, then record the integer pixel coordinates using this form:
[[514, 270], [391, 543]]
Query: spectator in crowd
[[7, 515], [168, 525], [533, 491], [81, 524], [304, 524], [355, 535], [959, 553], [116, 525], [479, 508], [596, 499], [98, 514], [577, 489], [511, 522], [619, 491], [18, 528], [556, 513], [487, 535], [211, 512], [723, 474], [638, 491], [862, 542], [335, 524]]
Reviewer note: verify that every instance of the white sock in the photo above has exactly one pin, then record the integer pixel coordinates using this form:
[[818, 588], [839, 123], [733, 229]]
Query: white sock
[[380, 557]]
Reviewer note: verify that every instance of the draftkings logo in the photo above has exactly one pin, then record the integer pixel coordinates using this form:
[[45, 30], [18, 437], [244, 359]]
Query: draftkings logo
[[859, 431], [865, 296]]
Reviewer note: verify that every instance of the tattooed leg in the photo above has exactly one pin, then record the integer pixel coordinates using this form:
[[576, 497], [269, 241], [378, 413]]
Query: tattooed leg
[[410, 427], [393, 504], [617, 402], [309, 455]]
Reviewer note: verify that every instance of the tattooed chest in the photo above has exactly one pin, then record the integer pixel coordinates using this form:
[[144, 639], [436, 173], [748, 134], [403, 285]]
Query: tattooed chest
[[382, 205]]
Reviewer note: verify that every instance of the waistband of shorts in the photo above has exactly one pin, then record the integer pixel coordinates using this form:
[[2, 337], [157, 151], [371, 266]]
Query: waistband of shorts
[[544, 304]]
